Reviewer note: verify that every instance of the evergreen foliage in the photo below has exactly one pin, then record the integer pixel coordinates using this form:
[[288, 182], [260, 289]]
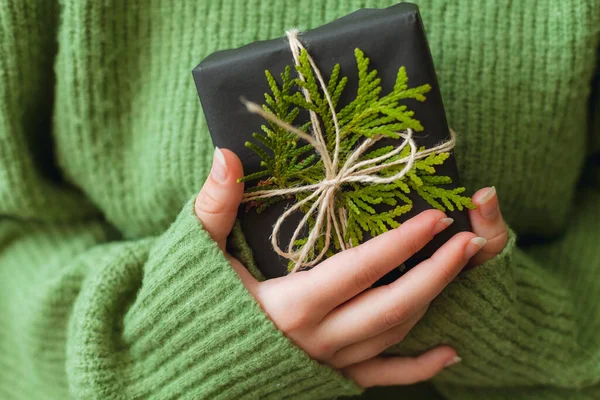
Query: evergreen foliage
[[287, 161]]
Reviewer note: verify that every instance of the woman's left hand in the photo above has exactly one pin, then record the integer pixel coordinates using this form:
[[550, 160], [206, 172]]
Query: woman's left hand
[[487, 222]]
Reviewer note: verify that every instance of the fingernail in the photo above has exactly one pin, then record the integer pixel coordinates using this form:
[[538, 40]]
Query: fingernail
[[452, 361], [474, 246], [219, 166], [488, 209], [442, 224]]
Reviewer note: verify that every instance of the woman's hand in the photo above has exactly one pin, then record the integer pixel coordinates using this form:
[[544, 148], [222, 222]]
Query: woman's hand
[[487, 222], [328, 311]]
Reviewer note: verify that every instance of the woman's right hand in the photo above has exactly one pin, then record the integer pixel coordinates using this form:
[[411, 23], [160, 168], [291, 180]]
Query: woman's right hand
[[329, 311]]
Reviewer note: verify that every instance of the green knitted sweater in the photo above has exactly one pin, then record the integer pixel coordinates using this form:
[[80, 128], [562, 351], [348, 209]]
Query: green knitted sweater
[[111, 289]]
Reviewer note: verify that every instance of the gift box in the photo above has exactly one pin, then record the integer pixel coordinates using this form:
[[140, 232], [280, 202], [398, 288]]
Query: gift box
[[391, 42]]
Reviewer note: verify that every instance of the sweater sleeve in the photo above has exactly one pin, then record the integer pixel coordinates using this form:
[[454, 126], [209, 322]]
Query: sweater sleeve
[[526, 322], [163, 317], [86, 314]]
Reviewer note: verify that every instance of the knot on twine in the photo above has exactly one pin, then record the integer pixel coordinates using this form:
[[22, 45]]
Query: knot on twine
[[327, 217]]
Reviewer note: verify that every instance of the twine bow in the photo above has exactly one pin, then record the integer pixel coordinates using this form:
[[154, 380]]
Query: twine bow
[[323, 194]]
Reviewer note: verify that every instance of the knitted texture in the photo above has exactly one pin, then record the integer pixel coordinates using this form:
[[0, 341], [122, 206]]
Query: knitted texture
[[110, 288]]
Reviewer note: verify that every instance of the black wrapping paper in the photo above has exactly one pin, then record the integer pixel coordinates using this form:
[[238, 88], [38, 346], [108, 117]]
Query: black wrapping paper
[[391, 38]]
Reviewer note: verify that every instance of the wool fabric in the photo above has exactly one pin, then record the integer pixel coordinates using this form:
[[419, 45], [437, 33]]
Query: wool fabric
[[111, 289]]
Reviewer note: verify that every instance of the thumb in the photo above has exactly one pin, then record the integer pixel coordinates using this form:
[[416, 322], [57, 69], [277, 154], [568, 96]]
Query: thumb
[[487, 222], [217, 203]]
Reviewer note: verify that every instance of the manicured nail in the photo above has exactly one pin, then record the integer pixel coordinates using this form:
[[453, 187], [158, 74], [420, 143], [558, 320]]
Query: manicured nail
[[442, 224], [219, 166], [452, 361], [488, 209], [474, 246]]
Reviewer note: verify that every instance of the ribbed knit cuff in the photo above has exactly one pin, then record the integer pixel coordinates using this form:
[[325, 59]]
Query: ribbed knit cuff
[[476, 299], [483, 294], [195, 331]]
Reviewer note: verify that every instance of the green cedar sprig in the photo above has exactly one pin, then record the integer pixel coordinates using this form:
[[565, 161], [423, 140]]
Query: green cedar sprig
[[287, 161]]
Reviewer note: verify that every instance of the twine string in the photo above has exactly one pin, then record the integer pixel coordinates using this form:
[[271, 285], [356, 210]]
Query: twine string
[[323, 208]]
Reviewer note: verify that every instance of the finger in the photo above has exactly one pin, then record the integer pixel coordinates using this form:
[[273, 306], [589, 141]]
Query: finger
[[388, 371], [217, 203], [487, 222], [246, 277], [352, 271], [371, 347], [384, 307]]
